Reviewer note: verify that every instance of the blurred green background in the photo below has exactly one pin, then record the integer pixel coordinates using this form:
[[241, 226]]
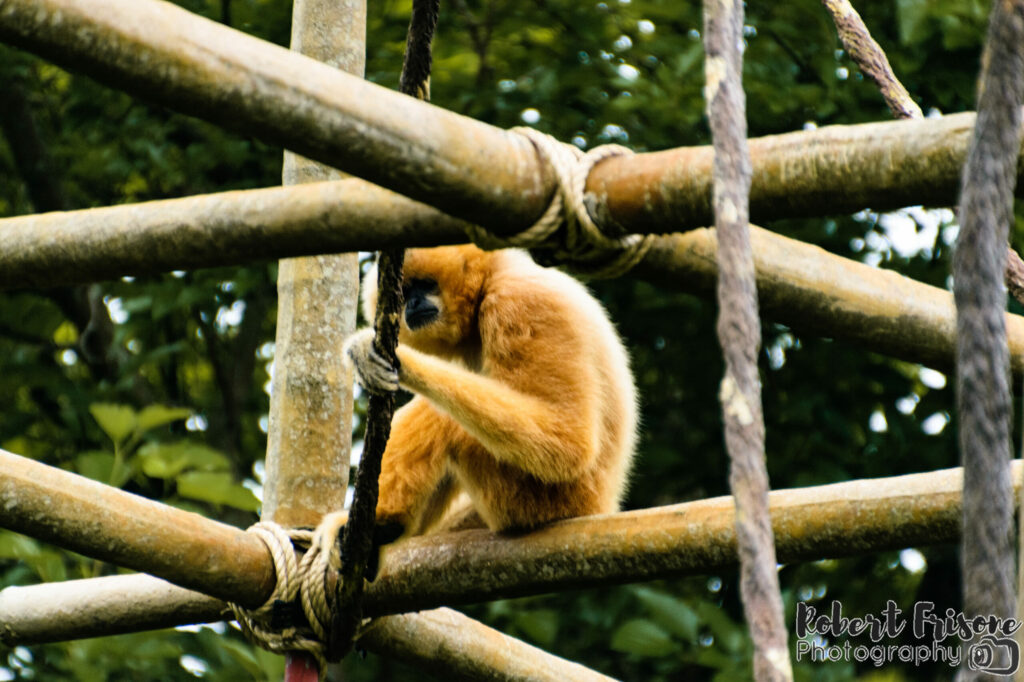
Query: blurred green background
[[158, 384]]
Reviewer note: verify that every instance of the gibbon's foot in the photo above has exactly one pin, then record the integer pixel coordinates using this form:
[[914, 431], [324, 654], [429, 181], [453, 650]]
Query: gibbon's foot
[[372, 371], [288, 614], [384, 533]]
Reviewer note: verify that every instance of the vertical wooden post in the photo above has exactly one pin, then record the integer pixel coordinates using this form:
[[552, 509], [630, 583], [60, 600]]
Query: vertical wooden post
[[310, 435], [311, 401]]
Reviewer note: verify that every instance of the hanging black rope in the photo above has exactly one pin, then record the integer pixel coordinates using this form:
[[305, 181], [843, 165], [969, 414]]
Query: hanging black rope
[[357, 541], [983, 391]]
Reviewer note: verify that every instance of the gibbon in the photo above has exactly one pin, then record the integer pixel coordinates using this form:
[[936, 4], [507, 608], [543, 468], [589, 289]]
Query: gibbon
[[524, 398]]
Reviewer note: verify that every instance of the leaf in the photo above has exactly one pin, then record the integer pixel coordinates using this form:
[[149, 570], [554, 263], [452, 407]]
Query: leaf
[[670, 613], [17, 546], [32, 315], [47, 564], [727, 633], [540, 625], [216, 488], [243, 655], [153, 416], [167, 460], [66, 334], [643, 638], [95, 464], [117, 421]]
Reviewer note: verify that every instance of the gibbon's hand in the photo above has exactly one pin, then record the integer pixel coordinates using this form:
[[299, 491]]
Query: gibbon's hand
[[372, 371]]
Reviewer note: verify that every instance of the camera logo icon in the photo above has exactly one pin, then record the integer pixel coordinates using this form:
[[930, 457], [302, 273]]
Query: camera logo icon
[[993, 655]]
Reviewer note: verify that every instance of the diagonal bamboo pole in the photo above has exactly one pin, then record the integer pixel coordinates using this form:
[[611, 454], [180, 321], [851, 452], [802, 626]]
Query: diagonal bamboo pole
[[442, 640], [199, 67], [842, 519], [451, 645], [102, 522], [464, 167], [813, 291]]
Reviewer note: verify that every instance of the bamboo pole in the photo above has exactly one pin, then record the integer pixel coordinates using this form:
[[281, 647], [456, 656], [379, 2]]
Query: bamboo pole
[[309, 442], [813, 291], [842, 519], [454, 646], [228, 228], [800, 285], [199, 67], [109, 524], [443, 641], [464, 167], [839, 169], [100, 607], [829, 171]]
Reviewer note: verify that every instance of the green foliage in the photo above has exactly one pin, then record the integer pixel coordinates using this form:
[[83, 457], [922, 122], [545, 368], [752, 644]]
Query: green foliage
[[612, 71], [216, 487], [642, 638]]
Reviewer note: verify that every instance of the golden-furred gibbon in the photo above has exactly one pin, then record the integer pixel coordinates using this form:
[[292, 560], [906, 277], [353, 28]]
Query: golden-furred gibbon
[[524, 399]]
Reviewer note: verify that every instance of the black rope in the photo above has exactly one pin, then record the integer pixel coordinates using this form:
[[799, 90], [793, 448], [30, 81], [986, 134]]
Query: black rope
[[357, 544]]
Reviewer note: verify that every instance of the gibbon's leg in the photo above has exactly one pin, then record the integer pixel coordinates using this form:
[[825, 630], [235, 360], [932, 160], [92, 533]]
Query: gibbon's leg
[[436, 506], [461, 515], [415, 486]]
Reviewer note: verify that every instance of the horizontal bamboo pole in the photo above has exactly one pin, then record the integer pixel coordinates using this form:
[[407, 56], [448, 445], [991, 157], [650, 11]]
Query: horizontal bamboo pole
[[821, 172], [812, 290], [228, 228], [836, 520], [833, 170], [842, 519], [464, 167], [105, 523], [143, 602], [110, 605]]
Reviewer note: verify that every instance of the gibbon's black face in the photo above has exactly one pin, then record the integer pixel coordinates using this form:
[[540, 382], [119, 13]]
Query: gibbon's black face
[[422, 302]]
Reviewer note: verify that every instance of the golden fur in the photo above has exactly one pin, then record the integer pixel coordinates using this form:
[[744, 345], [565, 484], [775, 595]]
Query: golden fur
[[524, 397]]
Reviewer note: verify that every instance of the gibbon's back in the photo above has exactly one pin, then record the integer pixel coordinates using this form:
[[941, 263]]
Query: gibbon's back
[[609, 361]]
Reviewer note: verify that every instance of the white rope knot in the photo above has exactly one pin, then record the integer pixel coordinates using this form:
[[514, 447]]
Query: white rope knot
[[582, 246], [309, 581]]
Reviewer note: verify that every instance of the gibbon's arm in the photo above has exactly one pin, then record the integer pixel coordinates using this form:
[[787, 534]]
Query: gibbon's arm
[[555, 443], [551, 432]]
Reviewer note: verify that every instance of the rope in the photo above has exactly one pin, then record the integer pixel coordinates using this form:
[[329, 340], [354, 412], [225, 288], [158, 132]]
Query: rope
[[302, 581], [582, 245]]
